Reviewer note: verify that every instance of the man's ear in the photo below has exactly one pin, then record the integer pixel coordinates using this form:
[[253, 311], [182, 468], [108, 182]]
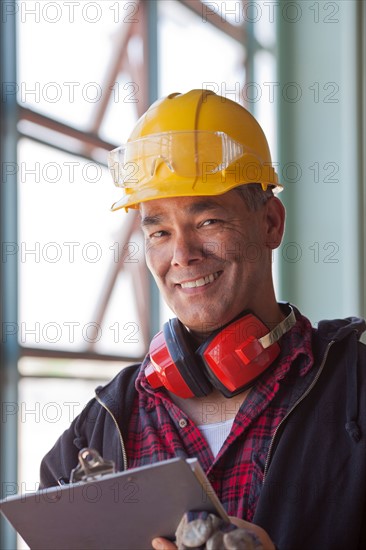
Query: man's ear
[[275, 215]]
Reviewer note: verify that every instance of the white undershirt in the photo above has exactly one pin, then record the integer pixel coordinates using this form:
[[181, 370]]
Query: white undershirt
[[216, 433]]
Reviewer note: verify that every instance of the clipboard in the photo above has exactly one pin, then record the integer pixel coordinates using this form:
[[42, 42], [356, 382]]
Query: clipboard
[[113, 511]]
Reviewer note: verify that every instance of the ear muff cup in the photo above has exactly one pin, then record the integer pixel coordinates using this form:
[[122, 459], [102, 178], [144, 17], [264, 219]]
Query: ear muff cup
[[233, 356], [182, 352], [230, 360]]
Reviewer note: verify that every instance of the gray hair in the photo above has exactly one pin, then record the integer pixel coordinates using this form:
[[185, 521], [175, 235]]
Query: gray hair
[[253, 195]]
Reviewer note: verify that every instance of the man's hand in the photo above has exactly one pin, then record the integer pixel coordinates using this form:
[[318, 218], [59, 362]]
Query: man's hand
[[160, 543]]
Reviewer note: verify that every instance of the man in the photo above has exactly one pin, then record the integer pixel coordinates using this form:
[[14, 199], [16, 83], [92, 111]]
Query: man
[[273, 409]]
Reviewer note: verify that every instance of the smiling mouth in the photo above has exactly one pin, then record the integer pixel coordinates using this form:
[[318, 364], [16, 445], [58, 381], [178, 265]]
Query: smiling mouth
[[202, 281]]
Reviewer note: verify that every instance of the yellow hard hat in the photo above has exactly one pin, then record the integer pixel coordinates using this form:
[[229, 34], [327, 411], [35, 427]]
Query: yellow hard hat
[[191, 144]]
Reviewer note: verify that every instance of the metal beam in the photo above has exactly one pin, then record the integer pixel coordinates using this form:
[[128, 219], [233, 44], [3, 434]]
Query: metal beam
[[115, 269], [44, 121], [8, 270], [119, 52], [150, 14], [218, 19], [66, 354]]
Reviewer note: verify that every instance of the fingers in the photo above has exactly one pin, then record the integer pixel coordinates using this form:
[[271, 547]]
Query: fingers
[[163, 544], [261, 536]]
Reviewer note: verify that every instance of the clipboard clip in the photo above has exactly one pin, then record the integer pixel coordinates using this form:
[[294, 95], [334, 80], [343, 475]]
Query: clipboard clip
[[91, 466]]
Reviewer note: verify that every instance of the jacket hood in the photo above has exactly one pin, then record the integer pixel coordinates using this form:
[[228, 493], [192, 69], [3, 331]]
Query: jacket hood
[[338, 329]]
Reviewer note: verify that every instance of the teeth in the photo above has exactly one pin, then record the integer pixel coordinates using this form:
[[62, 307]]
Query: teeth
[[200, 282]]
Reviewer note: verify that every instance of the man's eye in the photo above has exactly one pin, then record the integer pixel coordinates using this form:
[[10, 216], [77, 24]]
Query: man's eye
[[209, 222], [158, 234]]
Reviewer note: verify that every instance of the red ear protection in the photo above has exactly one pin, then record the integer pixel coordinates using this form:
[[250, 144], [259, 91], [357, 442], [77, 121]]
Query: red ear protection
[[230, 360]]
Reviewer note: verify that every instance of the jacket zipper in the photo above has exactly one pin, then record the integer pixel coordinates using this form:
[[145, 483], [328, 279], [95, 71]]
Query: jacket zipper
[[320, 370], [123, 449]]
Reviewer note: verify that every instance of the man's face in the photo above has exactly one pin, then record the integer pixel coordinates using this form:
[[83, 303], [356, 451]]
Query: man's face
[[209, 256]]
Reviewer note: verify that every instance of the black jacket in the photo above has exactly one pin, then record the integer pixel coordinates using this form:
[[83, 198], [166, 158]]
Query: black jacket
[[313, 495]]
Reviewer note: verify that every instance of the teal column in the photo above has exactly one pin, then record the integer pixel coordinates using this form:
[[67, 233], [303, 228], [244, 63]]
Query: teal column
[[153, 77], [322, 258], [8, 267]]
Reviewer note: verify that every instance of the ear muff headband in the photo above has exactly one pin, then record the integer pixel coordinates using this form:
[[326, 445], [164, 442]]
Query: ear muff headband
[[230, 360]]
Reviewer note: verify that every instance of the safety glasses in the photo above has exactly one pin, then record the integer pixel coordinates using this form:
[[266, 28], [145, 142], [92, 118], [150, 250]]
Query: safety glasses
[[187, 154]]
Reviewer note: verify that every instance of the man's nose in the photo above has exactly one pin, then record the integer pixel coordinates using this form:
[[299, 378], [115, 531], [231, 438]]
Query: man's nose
[[186, 250]]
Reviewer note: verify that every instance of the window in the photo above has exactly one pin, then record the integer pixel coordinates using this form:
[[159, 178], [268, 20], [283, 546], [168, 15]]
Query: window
[[85, 74]]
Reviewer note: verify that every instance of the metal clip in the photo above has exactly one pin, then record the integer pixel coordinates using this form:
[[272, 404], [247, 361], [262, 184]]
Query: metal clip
[[91, 466]]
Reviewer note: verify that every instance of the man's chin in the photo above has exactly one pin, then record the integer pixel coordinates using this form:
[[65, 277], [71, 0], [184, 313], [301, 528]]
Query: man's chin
[[201, 331], [202, 321]]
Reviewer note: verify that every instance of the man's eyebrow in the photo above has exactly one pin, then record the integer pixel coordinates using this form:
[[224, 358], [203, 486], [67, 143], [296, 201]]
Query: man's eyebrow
[[151, 220], [195, 208]]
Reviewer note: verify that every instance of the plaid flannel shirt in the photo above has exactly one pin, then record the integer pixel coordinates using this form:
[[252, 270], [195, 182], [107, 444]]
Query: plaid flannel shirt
[[159, 430]]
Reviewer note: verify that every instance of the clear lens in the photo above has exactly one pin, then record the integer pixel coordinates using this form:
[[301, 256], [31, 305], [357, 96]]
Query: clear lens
[[188, 154]]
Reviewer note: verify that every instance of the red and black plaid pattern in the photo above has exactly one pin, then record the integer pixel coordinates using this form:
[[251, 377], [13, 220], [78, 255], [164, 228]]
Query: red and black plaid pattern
[[159, 430]]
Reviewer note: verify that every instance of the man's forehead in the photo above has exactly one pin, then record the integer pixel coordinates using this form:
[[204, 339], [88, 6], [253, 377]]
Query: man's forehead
[[190, 205]]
